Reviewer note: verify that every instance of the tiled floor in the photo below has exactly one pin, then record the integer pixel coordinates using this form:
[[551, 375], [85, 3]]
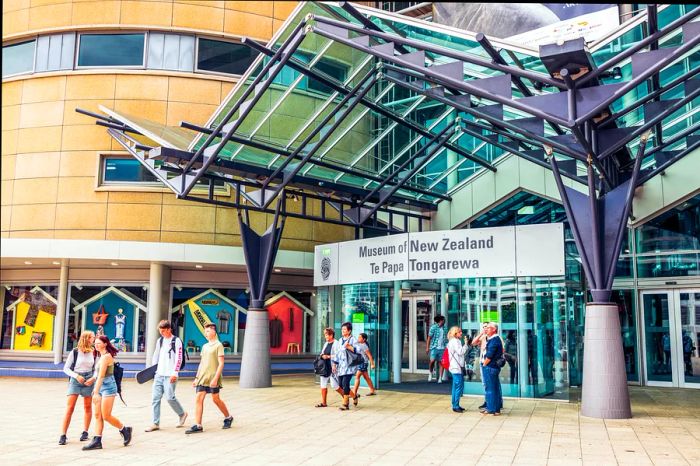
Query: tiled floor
[[280, 425]]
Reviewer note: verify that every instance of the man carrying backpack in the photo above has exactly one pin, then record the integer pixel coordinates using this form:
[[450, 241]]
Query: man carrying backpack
[[170, 357]]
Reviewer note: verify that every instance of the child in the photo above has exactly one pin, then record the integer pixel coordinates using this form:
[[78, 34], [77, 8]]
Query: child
[[363, 349]]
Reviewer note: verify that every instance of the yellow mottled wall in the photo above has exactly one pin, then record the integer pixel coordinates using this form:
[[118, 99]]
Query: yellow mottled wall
[[50, 153]]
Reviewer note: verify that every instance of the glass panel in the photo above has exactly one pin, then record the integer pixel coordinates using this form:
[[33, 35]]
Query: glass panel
[[29, 314], [186, 53], [18, 58], [156, 42], [111, 50], [383, 354], [171, 52], [668, 265], [68, 51], [405, 332], [42, 53], [224, 57], [424, 319], [129, 170], [677, 229], [628, 326], [657, 337], [690, 336]]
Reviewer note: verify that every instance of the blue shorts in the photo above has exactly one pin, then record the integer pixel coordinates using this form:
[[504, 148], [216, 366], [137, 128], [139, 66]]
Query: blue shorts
[[76, 388], [109, 386], [362, 367], [436, 354]]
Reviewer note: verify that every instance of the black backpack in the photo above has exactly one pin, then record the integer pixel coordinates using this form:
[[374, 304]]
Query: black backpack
[[118, 376], [185, 356], [322, 366]]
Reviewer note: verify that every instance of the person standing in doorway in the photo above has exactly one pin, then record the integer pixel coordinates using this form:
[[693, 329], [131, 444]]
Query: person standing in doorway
[[80, 367], [208, 379], [491, 370], [170, 357], [456, 351], [435, 346]]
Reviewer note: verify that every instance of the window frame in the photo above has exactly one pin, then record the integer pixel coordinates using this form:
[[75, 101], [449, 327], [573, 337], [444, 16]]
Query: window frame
[[76, 54], [25, 40], [218, 39]]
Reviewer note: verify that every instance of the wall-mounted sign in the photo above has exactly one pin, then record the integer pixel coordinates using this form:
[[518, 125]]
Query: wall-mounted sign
[[532, 250]]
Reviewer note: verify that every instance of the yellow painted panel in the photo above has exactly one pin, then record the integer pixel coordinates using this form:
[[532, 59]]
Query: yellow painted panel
[[45, 234], [15, 22], [41, 114], [48, 16], [44, 89], [33, 217], [43, 324], [13, 5], [188, 218], [226, 87], [210, 3], [276, 25], [133, 217], [296, 245], [7, 168], [37, 165], [194, 90], [6, 191], [9, 142], [296, 228], [5, 213], [198, 17], [193, 113], [47, 139], [141, 87], [79, 189], [189, 238], [12, 93], [102, 12], [284, 9], [158, 13], [11, 117], [154, 110], [258, 8], [227, 240], [71, 117], [131, 197], [81, 216], [246, 24], [78, 163], [133, 235], [85, 137], [35, 191], [79, 234], [97, 86]]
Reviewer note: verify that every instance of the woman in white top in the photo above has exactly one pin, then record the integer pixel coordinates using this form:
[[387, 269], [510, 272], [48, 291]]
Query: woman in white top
[[456, 350], [80, 368]]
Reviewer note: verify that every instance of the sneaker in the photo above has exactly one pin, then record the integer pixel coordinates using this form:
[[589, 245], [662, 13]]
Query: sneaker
[[126, 434], [181, 420], [483, 406], [95, 444], [439, 380], [62, 440], [195, 429], [458, 410], [430, 377], [152, 428], [84, 436], [227, 422]]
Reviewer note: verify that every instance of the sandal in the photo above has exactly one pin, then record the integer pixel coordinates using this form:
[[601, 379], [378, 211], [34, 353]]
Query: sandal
[[321, 405], [345, 408], [356, 399]]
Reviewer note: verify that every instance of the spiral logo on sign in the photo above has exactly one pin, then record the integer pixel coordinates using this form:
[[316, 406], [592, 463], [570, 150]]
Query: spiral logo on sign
[[325, 268]]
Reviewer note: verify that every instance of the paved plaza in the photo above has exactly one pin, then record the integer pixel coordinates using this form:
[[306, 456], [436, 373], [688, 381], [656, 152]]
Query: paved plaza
[[280, 425]]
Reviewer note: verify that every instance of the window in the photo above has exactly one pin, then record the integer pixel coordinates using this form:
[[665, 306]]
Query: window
[[28, 317], [170, 52], [111, 50], [335, 70], [55, 52], [224, 57], [18, 58]]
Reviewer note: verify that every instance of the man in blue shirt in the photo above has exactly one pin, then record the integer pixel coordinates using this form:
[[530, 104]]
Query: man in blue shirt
[[435, 346], [491, 370]]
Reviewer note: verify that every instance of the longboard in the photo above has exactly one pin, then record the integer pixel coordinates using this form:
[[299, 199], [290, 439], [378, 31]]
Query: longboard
[[146, 374]]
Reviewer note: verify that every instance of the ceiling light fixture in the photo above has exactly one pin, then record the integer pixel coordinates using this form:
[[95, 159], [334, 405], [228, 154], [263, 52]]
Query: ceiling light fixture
[[113, 264], [278, 270], [27, 263], [197, 266], [56, 263]]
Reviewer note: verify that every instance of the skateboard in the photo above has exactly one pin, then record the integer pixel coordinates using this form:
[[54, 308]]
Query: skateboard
[[146, 374]]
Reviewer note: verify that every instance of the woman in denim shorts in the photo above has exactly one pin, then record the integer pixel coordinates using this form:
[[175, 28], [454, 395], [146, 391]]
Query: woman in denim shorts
[[104, 392], [80, 367]]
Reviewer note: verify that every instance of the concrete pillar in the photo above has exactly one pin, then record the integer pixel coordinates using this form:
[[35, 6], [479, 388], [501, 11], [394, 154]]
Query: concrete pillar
[[255, 362], [604, 392], [396, 328], [59, 324], [158, 294]]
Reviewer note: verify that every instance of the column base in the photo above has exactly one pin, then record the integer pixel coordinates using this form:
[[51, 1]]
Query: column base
[[604, 393], [255, 361]]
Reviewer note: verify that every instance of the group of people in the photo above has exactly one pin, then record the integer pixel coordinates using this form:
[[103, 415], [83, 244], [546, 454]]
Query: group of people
[[459, 347], [340, 366], [90, 368]]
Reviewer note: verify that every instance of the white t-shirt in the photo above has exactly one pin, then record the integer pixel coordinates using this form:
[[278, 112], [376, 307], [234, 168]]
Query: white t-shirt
[[168, 361], [456, 351]]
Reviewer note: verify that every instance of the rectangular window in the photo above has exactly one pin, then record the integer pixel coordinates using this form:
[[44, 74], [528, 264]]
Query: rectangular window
[[224, 57], [55, 52], [170, 52], [18, 58], [332, 69], [111, 50]]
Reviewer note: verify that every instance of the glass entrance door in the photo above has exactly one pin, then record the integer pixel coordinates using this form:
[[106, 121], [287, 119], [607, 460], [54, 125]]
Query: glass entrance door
[[418, 313], [671, 331]]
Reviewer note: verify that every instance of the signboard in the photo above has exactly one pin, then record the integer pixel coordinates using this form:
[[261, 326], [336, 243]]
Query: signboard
[[531, 250], [530, 24]]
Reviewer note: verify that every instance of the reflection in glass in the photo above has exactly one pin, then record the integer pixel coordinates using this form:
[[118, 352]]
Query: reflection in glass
[[18, 58], [224, 57], [657, 337], [111, 50], [690, 336]]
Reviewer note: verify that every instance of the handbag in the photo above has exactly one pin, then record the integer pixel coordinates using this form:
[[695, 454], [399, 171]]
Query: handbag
[[100, 317], [354, 359], [320, 367]]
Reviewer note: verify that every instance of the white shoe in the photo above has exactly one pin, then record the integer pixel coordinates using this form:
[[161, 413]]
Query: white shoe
[[439, 380], [430, 377], [444, 376], [152, 428], [181, 420]]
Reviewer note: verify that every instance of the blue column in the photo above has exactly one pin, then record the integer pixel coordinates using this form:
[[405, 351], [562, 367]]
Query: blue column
[[396, 334]]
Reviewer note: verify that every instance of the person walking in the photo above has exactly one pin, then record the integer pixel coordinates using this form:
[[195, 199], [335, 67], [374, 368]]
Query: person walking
[[491, 370], [104, 393], [367, 358], [80, 368], [480, 341], [435, 346], [209, 378], [169, 355], [330, 347], [456, 351], [341, 365]]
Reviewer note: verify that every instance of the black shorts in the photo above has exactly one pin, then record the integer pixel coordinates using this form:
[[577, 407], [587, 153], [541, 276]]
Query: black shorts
[[206, 389]]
